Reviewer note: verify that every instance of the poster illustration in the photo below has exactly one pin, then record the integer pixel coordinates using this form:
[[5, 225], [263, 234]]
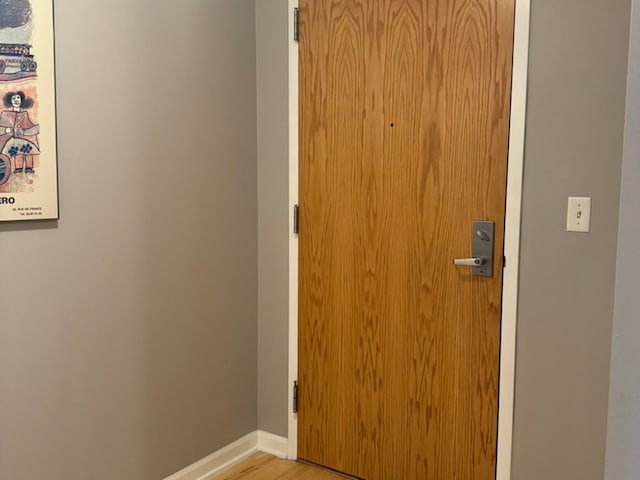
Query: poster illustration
[[28, 157]]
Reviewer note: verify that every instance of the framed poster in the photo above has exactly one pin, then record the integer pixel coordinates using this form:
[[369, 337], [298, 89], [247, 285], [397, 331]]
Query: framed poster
[[28, 157]]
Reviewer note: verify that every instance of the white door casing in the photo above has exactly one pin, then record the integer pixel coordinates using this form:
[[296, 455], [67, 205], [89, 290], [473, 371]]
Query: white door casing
[[511, 243]]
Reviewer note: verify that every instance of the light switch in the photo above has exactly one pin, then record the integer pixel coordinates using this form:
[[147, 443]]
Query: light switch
[[579, 214]]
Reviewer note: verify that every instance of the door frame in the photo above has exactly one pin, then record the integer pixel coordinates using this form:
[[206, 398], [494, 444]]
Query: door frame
[[515, 165]]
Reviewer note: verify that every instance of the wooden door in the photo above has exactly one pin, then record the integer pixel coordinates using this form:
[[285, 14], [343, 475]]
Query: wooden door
[[404, 119]]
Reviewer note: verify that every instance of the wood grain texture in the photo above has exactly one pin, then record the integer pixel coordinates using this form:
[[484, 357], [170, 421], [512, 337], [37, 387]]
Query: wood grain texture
[[404, 115], [261, 466]]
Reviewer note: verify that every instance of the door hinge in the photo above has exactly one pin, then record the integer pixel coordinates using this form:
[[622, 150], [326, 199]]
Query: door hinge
[[295, 397], [296, 25], [296, 219]]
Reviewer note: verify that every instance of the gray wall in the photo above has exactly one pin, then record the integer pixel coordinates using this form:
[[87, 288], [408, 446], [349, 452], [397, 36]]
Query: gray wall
[[623, 461], [273, 214], [128, 329], [575, 123]]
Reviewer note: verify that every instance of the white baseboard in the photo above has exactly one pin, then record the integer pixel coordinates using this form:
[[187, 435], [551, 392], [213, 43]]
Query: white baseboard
[[272, 444], [218, 461], [239, 450]]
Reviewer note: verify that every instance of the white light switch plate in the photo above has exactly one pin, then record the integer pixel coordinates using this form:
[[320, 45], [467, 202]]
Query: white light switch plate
[[579, 214]]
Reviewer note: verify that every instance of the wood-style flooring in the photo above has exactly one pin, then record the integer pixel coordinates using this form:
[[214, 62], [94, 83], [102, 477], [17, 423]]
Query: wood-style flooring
[[261, 466]]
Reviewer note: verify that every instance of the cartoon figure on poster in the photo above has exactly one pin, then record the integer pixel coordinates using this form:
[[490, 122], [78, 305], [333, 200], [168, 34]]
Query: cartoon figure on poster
[[19, 140]]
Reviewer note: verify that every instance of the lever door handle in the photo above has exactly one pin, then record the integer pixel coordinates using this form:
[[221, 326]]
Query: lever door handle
[[482, 238], [470, 262]]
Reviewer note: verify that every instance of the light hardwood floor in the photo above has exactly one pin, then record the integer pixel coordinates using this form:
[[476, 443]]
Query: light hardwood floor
[[261, 466]]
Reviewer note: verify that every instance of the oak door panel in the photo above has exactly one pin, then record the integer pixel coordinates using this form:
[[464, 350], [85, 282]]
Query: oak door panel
[[404, 110]]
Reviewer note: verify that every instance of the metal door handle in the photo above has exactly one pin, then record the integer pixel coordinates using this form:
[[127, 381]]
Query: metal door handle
[[481, 262], [470, 262]]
